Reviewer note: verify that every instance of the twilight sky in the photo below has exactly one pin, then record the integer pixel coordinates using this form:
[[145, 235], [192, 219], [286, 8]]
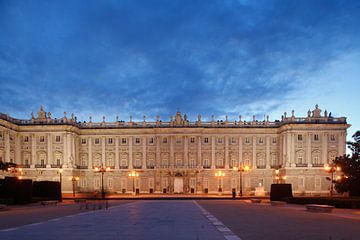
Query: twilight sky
[[156, 57]]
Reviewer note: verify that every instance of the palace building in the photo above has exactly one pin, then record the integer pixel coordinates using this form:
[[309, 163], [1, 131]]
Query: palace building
[[176, 156]]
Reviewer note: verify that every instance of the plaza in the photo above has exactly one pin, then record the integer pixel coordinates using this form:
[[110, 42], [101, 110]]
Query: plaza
[[178, 219]]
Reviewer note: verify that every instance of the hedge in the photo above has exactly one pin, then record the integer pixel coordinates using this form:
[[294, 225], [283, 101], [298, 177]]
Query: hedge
[[332, 201]]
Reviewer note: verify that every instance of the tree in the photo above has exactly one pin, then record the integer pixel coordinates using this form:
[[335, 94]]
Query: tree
[[5, 166], [350, 166]]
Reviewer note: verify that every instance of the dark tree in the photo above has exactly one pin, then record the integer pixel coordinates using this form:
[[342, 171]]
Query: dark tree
[[5, 166], [350, 166]]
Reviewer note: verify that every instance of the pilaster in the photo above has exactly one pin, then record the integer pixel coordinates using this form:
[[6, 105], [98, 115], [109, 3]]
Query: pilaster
[[267, 151], [90, 162], [143, 152], [199, 158], [186, 152], [117, 161], [213, 166], [49, 150], [226, 152], [254, 152], [130, 152], [7, 146]]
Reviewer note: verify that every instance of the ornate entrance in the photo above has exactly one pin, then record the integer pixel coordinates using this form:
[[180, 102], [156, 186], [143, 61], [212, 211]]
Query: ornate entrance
[[178, 185]]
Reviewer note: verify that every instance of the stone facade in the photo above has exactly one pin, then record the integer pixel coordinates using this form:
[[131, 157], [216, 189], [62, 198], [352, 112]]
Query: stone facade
[[177, 156]]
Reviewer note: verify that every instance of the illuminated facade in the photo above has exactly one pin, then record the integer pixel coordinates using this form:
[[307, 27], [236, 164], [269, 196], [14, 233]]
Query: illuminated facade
[[177, 156]]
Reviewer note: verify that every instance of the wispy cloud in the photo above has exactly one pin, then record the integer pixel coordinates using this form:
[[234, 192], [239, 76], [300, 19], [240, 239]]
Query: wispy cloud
[[157, 57]]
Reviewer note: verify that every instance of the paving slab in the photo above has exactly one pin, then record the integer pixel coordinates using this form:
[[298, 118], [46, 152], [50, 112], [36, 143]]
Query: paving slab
[[136, 220]]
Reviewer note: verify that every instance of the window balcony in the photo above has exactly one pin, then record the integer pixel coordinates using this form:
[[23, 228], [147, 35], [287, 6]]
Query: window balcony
[[137, 167], [82, 167], [124, 167], [40, 166], [207, 167], [318, 165], [301, 165], [55, 165], [24, 166], [150, 167]]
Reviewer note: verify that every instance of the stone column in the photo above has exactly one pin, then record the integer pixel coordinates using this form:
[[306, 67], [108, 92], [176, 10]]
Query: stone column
[[254, 152], [324, 147], [226, 152], [288, 149], [342, 143], [267, 139], [130, 152], [33, 150], [49, 151], [213, 165], [158, 157], [17, 159], [172, 163], [241, 161], [199, 158], [66, 150], [292, 150], [117, 161], [90, 162], [144, 152], [186, 152], [7, 146], [103, 151], [308, 149]]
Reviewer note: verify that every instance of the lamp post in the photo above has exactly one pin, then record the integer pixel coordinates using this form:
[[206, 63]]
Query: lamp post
[[331, 168], [60, 171], [102, 170], [74, 180], [220, 175], [241, 169], [133, 175]]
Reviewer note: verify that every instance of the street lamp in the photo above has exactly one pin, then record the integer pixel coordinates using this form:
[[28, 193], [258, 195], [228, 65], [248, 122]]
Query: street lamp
[[133, 175], [102, 170], [60, 171], [220, 175], [241, 169], [74, 180], [331, 168]]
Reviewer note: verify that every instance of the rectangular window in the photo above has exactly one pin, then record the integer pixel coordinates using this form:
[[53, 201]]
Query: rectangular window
[[97, 141], [247, 140], [261, 140], [274, 140], [164, 140], [110, 140], [42, 139], [123, 141], [220, 140], [192, 140], [83, 141], [26, 139], [137, 140], [299, 137], [332, 137], [178, 140], [316, 137], [57, 139], [151, 140], [233, 140], [206, 140]]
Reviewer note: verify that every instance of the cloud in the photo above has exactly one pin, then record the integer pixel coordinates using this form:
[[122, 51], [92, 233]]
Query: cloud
[[157, 57]]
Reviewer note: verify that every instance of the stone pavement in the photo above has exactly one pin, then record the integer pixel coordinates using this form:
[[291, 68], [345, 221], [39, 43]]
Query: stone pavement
[[136, 220]]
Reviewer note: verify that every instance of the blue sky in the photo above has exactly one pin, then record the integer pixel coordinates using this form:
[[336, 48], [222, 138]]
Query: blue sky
[[199, 57]]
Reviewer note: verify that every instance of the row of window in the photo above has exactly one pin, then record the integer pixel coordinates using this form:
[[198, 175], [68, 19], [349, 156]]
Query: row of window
[[316, 137], [42, 139], [233, 140]]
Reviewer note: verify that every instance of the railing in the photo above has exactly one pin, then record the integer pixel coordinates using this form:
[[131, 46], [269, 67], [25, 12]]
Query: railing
[[318, 165], [183, 124], [301, 164], [82, 167], [55, 166], [40, 166]]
